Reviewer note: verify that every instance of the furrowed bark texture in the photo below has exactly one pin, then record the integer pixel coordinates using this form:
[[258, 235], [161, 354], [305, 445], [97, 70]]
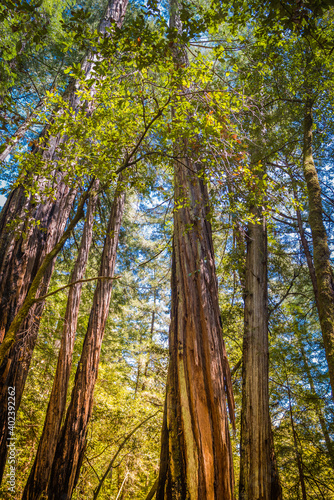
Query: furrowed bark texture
[[23, 249], [20, 257], [196, 458], [19, 269], [40, 472], [258, 477], [33, 294], [321, 253], [71, 445]]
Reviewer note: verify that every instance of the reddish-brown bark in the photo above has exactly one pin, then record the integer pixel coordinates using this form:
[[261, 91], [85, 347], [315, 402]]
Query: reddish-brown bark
[[71, 445], [20, 257], [258, 470], [39, 475], [18, 271], [196, 459]]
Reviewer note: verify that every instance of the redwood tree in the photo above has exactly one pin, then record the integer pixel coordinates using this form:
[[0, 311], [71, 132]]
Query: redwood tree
[[196, 459], [258, 471], [21, 257], [39, 474], [71, 444]]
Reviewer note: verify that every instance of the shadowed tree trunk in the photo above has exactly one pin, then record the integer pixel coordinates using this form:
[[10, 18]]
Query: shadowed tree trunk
[[33, 296], [19, 273], [305, 245], [71, 445], [40, 472], [258, 471], [298, 454], [21, 257], [196, 458], [318, 409], [321, 253]]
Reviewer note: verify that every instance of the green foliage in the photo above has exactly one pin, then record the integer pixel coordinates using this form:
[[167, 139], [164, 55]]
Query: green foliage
[[238, 107]]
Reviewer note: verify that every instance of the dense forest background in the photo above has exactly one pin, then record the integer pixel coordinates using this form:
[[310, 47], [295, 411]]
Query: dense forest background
[[145, 144]]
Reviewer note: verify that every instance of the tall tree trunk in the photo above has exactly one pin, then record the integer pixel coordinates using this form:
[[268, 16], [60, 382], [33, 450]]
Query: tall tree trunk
[[71, 445], [196, 459], [308, 254], [258, 471], [148, 356], [40, 472], [299, 459], [20, 271], [318, 409], [321, 253], [33, 294], [196, 456], [21, 257]]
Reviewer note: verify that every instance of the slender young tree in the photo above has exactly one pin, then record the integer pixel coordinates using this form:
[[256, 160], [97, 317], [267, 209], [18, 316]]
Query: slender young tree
[[297, 448], [322, 421], [196, 458], [39, 474], [71, 444]]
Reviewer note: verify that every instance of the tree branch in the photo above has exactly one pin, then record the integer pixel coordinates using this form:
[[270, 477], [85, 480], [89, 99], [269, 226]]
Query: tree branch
[[142, 137], [272, 309], [43, 297], [121, 446], [153, 490], [30, 299]]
